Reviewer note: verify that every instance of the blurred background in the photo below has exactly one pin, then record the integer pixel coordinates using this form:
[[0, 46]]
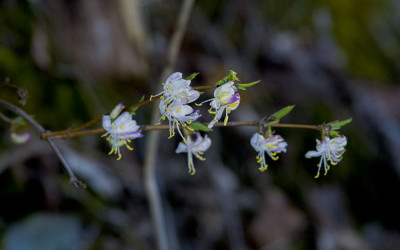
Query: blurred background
[[78, 59]]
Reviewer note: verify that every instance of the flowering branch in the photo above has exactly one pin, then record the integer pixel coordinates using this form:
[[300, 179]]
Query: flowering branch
[[67, 134]]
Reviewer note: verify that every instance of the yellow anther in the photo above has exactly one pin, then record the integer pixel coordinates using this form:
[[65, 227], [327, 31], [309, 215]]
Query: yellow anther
[[273, 153], [169, 91], [189, 128], [334, 163], [198, 104], [129, 147], [259, 160], [163, 118], [275, 158], [262, 169], [189, 122], [162, 97], [212, 112], [201, 158], [104, 135], [316, 176], [200, 153], [119, 157], [108, 139], [151, 96], [215, 119], [129, 141], [226, 120], [193, 171]]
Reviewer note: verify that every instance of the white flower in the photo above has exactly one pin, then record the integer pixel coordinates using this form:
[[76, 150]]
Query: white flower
[[329, 150], [177, 89], [177, 92], [196, 148], [272, 145], [178, 114], [120, 132], [226, 99]]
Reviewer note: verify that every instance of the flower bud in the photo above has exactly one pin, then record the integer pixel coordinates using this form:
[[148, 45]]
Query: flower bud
[[116, 111], [20, 138]]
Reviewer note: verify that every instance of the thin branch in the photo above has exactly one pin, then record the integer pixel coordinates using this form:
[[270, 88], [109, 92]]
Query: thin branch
[[41, 130], [5, 118], [165, 127]]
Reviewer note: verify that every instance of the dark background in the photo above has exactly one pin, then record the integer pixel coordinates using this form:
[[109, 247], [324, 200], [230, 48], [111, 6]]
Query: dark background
[[78, 59]]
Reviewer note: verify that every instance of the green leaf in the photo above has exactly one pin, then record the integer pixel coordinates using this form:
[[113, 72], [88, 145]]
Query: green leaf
[[338, 124], [133, 110], [246, 85], [334, 133], [192, 76], [230, 77], [199, 127], [275, 117], [141, 99]]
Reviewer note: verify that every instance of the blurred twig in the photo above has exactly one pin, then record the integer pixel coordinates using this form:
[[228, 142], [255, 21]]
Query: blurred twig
[[151, 149], [73, 179]]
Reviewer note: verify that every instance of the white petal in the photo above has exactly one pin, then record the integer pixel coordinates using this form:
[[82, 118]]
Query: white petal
[[173, 77], [312, 153], [182, 147], [107, 122], [256, 140], [123, 119]]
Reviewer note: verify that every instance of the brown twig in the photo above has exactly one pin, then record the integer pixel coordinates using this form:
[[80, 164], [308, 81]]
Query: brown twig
[[165, 127]]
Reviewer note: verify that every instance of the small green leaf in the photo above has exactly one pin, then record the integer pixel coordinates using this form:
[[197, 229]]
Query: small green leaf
[[246, 85], [133, 110], [192, 76], [334, 133], [275, 117], [240, 87], [230, 77], [199, 127], [338, 124], [141, 99]]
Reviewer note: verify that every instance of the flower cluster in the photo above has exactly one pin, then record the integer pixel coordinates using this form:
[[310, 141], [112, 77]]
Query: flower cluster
[[272, 145], [329, 150], [120, 132], [176, 95], [196, 148]]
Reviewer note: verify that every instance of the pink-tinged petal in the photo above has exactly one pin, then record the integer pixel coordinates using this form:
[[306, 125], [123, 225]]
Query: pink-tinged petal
[[20, 138]]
